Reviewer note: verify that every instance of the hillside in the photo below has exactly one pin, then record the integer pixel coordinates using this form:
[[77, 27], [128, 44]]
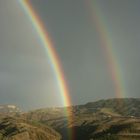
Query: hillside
[[124, 107], [112, 118], [12, 128]]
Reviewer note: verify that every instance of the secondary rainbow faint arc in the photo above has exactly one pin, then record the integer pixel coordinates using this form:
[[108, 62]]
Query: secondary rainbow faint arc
[[43, 35], [107, 46]]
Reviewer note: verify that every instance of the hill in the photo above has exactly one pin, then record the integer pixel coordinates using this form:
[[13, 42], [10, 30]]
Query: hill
[[7, 109], [111, 119], [12, 128], [103, 119]]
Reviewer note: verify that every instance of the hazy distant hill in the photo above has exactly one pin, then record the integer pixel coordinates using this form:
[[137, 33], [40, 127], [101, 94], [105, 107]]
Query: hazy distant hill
[[6, 109], [104, 119]]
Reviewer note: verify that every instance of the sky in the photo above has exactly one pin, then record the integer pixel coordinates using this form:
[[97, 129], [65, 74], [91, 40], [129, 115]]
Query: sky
[[26, 76]]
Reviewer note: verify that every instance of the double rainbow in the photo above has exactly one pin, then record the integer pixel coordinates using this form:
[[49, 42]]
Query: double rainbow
[[106, 44]]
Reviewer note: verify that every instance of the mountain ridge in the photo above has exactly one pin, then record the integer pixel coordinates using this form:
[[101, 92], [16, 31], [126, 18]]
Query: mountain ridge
[[116, 119], [94, 120]]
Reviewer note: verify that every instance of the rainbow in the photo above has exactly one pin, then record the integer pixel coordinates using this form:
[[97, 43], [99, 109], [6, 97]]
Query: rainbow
[[107, 47], [50, 51]]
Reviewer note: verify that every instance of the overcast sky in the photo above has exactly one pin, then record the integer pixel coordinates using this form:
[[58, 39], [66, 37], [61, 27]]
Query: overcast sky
[[26, 77]]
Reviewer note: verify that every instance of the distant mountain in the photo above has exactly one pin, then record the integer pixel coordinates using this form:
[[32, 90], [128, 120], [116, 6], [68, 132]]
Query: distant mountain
[[12, 128], [121, 106], [6, 109], [102, 120]]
